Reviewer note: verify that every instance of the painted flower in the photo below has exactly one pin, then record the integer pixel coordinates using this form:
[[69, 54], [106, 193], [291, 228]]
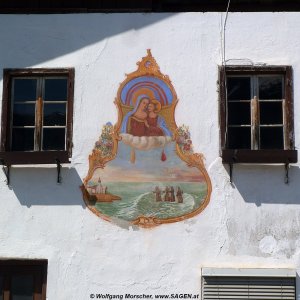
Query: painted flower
[[186, 147], [180, 140]]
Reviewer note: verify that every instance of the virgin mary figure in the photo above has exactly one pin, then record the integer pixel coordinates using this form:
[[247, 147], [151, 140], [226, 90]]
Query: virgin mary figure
[[135, 122], [144, 120], [136, 131]]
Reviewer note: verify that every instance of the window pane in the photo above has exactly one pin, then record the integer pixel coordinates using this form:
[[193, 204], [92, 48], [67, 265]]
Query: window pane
[[25, 89], [239, 138], [55, 90], [22, 139], [270, 113], [270, 87], [22, 287], [1, 288], [271, 137], [54, 114], [239, 113], [238, 88], [24, 115], [54, 139]]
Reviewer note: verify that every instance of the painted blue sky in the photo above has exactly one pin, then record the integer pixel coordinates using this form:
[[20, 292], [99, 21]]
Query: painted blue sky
[[148, 167]]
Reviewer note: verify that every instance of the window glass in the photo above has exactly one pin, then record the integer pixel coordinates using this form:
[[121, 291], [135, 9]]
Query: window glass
[[52, 96], [271, 137], [54, 138], [55, 114], [239, 137], [24, 115], [22, 139], [22, 287], [239, 113], [238, 88], [55, 90], [37, 102], [256, 113], [270, 113], [25, 90], [270, 87]]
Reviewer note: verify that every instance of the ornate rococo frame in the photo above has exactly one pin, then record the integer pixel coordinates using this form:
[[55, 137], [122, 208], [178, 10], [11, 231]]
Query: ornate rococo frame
[[147, 66]]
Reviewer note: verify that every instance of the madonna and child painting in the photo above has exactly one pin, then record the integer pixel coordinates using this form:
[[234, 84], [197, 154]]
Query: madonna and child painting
[[142, 170]]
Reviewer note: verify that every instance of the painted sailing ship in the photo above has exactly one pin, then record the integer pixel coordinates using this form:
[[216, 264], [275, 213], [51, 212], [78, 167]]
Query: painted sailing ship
[[99, 192]]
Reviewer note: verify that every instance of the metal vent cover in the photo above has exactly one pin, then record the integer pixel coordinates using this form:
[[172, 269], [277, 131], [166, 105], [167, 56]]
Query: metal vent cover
[[235, 287]]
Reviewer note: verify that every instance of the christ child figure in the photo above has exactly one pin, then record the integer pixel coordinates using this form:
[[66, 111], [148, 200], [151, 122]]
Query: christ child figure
[[153, 119]]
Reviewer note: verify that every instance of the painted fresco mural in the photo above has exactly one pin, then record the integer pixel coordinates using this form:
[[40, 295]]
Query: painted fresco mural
[[143, 170]]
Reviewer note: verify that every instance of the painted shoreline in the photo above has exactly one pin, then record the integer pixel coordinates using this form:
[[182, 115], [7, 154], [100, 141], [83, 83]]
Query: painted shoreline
[[138, 199]]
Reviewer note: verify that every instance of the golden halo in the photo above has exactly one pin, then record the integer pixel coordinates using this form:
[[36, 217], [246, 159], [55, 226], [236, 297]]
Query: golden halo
[[157, 105], [143, 91]]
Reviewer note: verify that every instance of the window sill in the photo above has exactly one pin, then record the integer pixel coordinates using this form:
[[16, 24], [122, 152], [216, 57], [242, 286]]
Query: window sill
[[277, 156], [33, 157]]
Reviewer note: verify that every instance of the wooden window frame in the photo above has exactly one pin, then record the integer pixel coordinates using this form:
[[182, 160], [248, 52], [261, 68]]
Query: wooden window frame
[[36, 267], [287, 155], [8, 157]]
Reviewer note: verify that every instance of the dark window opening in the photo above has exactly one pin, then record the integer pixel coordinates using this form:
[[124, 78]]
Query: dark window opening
[[256, 101], [239, 137], [37, 115], [239, 113], [238, 88], [23, 279], [256, 114]]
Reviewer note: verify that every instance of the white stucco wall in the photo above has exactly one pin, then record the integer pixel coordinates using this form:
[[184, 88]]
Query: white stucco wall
[[253, 223]]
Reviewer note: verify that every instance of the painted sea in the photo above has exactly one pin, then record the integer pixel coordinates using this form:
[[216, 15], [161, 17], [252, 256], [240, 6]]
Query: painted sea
[[138, 199]]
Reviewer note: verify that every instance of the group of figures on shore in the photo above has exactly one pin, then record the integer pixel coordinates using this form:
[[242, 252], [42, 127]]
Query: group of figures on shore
[[169, 194]]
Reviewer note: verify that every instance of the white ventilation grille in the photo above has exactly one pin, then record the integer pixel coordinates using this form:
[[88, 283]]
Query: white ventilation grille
[[232, 287]]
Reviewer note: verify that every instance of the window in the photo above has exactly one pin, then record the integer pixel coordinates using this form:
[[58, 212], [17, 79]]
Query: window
[[248, 284], [23, 279], [256, 114], [37, 115]]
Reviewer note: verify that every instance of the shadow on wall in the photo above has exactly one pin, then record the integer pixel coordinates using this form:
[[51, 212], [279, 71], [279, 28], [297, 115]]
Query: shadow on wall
[[256, 184], [38, 186], [34, 39], [263, 184]]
